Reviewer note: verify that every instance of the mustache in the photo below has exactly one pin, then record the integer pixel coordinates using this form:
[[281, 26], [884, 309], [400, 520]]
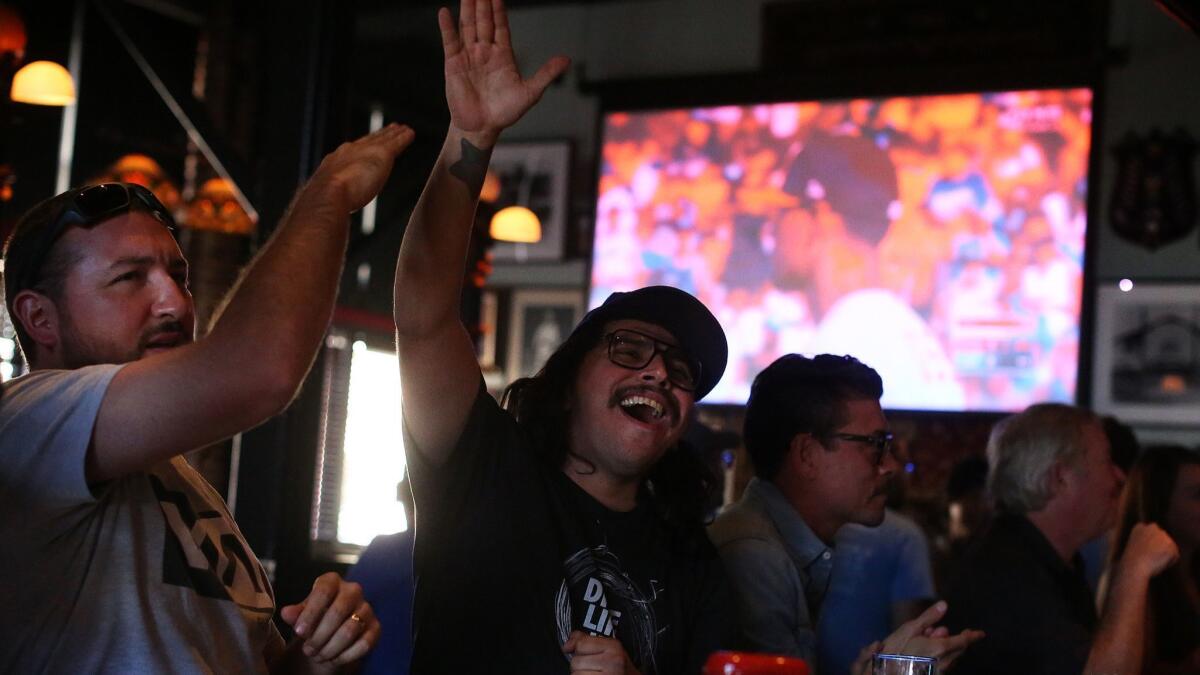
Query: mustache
[[669, 402], [167, 326]]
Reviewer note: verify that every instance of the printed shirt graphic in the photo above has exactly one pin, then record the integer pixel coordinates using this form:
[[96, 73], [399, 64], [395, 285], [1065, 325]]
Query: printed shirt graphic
[[206, 553], [597, 597]]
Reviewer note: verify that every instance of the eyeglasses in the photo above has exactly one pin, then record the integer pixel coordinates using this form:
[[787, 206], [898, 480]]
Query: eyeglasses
[[85, 207], [630, 349], [881, 442]]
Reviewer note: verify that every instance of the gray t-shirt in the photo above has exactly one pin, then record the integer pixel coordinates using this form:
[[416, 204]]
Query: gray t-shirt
[[145, 573]]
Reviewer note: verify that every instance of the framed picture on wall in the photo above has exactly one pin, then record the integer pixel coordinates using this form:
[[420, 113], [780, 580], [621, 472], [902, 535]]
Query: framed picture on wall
[[539, 321], [1147, 353], [534, 175]]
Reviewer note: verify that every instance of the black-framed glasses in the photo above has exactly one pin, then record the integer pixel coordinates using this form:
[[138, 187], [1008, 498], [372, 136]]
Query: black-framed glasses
[[631, 349], [881, 443], [84, 207]]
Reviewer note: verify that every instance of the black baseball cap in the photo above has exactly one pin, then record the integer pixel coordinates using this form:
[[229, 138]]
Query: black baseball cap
[[686, 318]]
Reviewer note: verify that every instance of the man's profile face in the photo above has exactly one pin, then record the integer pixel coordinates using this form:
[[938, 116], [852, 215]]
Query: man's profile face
[[125, 295], [853, 485], [624, 419], [1094, 483]]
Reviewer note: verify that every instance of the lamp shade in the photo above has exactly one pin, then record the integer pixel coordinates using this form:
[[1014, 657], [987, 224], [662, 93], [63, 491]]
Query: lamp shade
[[516, 224], [43, 83]]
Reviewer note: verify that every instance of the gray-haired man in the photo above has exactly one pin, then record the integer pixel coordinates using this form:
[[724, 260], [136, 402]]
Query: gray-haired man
[[1055, 486]]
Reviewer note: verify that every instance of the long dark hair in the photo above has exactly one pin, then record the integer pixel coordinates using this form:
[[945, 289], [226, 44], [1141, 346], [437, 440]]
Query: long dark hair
[[680, 481], [1147, 499]]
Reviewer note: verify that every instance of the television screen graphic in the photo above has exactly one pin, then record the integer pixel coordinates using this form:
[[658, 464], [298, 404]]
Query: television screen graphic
[[939, 239]]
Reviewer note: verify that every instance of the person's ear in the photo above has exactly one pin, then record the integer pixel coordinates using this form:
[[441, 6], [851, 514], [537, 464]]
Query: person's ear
[[1058, 478], [801, 450], [39, 317]]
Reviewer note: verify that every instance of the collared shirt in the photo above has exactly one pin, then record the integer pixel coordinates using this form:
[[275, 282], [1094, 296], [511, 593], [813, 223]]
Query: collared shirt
[[780, 570], [1035, 608]]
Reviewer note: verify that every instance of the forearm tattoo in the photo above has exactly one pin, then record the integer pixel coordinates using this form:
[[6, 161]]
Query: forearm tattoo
[[472, 168]]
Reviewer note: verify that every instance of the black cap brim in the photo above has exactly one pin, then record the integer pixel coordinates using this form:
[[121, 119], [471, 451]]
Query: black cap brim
[[687, 319]]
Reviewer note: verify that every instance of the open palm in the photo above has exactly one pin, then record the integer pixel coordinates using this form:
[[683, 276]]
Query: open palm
[[484, 89]]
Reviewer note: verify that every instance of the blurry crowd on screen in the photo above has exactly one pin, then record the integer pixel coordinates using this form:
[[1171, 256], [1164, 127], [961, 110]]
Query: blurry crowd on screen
[[955, 223]]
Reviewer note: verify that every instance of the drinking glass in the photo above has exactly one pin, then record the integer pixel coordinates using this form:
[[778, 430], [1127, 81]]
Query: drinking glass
[[904, 664]]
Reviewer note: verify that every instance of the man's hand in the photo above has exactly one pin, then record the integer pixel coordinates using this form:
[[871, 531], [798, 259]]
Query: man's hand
[[358, 169], [484, 89], [1150, 550], [335, 623], [593, 654], [920, 637]]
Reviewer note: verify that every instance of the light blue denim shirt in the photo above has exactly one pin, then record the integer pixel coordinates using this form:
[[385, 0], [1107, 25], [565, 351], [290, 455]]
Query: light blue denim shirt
[[779, 568]]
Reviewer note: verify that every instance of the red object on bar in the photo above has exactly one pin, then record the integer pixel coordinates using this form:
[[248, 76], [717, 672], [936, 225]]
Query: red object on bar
[[747, 663]]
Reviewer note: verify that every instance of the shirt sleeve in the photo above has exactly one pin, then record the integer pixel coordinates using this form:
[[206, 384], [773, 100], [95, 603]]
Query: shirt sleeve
[[46, 423], [772, 611]]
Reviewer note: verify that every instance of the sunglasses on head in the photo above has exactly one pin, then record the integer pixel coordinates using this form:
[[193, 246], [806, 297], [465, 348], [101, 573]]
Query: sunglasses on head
[[86, 207], [630, 349]]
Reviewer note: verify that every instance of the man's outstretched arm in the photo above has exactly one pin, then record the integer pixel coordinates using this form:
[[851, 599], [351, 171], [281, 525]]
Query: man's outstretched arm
[[486, 94], [251, 364]]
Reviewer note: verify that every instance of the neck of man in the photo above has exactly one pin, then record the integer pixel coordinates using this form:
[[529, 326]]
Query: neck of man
[[1062, 533], [614, 492], [812, 508]]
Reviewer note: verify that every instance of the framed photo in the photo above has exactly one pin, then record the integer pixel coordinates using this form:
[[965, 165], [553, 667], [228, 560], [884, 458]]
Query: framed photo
[[540, 320], [1147, 353], [534, 175]]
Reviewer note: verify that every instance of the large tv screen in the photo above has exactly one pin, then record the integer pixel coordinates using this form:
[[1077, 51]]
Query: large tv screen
[[939, 239]]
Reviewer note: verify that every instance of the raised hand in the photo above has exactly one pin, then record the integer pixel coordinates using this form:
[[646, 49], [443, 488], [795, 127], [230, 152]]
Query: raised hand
[[336, 624], [359, 169], [484, 89]]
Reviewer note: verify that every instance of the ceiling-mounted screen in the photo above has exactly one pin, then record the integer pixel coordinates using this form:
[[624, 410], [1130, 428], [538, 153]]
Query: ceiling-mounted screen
[[939, 239]]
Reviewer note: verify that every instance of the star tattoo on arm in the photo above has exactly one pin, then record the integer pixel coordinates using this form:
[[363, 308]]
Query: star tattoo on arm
[[472, 168]]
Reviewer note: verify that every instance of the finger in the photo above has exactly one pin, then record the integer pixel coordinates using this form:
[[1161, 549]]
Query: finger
[[355, 625], [451, 43], [318, 600], [939, 632], [972, 637], [549, 72], [289, 613], [927, 619], [954, 644], [466, 21], [500, 19], [483, 22], [359, 649]]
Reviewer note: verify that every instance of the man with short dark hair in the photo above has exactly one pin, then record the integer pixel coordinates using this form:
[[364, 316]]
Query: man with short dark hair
[[1055, 488], [118, 556], [563, 534], [822, 455]]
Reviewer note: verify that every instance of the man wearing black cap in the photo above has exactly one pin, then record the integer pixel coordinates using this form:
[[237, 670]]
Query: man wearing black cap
[[117, 556], [564, 532]]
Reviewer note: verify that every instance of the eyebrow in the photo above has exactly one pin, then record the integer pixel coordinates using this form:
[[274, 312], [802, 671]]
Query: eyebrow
[[175, 263]]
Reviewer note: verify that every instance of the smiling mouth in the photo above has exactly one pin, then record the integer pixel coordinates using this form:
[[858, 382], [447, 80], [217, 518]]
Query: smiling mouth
[[643, 408]]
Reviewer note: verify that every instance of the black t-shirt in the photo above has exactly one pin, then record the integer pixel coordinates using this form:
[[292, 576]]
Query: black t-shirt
[[1036, 609], [511, 556]]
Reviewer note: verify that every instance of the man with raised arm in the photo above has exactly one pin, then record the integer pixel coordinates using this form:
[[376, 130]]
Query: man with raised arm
[[563, 534], [118, 557]]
